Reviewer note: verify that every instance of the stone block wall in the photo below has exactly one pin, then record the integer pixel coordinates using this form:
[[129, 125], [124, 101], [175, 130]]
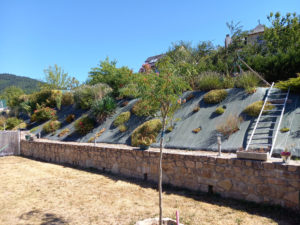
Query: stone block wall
[[262, 182]]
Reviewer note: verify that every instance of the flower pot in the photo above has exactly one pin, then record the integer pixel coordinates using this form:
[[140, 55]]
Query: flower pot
[[286, 159], [27, 137], [144, 147]]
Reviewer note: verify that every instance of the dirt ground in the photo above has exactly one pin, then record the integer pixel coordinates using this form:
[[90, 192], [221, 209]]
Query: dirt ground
[[33, 192]]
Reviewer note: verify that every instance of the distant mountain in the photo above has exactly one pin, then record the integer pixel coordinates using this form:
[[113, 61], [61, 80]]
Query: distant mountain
[[28, 85]]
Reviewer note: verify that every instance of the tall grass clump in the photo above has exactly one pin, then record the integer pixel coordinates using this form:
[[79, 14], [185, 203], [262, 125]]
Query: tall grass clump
[[104, 107], [86, 95], [247, 81], [215, 96], [208, 81], [255, 108]]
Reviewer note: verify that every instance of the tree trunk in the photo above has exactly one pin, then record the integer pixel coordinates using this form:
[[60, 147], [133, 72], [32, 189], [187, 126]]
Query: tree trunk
[[160, 171]]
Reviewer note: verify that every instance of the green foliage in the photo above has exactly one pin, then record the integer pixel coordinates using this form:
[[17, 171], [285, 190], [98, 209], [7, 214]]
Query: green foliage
[[67, 98], [104, 107], [144, 108], [11, 95], [84, 125], [209, 81], [49, 98], [146, 133], [215, 96], [108, 73], [51, 126], [70, 118], [86, 95], [247, 81], [293, 83], [43, 114], [57, 79], [220, 110], [12, 122], [255, 108], [284, 130], [27, 84], [122, 118]]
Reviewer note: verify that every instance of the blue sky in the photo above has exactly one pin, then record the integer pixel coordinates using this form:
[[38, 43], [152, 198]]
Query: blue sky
[[76, 35]]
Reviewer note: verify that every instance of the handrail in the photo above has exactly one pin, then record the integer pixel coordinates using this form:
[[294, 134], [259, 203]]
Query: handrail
[[278, 126], [261, 111]]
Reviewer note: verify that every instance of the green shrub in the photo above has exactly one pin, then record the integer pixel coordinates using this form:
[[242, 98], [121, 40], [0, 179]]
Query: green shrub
[[220, 110], [142, 108], [49, 98], [84, 125], [12, 122], [104, 107], [215, 96], [51, 126], [247, 80], [255, 108], [43, 114], [284, 130], [146, 133], [2, 122], [293, 83], [122, 128], [209, 81], [67, 98], [86, 95], [122, 118], [70, 118], [228, 82]]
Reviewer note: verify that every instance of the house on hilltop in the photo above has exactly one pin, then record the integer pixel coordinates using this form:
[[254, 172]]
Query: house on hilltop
[[255, 36], [150, 61]]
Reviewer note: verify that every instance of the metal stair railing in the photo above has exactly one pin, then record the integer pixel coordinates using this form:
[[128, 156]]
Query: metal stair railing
[[278, 126], [257, 121]]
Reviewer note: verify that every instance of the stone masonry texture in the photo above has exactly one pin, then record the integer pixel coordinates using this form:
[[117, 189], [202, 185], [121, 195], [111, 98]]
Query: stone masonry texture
[[261, 182]]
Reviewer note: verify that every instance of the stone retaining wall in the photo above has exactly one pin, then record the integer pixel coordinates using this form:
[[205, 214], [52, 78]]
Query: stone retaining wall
[[263, 182]]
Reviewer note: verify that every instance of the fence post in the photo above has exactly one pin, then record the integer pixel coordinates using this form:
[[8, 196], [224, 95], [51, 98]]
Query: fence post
[[19, 142]]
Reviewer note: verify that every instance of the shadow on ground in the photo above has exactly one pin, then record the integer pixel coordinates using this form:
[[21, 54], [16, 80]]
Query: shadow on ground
[[44, 218], [278, 214]]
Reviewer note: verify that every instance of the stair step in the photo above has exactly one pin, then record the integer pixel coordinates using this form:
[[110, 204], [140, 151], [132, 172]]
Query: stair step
[[274, 93], [271, 110], [277, 104], [265, 128], [267, 116], [266, 122], [260, 144]]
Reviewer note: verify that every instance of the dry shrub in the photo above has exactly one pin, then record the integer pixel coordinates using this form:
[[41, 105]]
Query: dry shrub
[[51, 126], [197, 130], [196, 109], [230, 125], [64, 132], [190, 96], [70, 118], [122, 128], [98, 134]]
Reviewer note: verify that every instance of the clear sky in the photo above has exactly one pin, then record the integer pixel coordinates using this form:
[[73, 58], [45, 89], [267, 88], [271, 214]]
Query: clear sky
[[76, 35]]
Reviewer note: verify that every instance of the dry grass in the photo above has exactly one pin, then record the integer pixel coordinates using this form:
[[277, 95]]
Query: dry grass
[[33, 192]]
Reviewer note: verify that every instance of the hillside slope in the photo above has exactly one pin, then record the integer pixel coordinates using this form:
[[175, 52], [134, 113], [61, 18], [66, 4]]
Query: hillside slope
[[29, 85], [182, 136]]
